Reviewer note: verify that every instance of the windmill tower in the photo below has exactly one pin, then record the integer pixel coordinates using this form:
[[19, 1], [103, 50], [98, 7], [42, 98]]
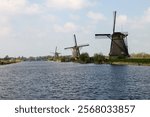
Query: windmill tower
[[119, 47], [76, 48], [56, 54]]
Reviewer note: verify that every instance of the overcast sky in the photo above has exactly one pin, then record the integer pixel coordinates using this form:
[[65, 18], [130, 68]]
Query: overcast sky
[[36, 27]]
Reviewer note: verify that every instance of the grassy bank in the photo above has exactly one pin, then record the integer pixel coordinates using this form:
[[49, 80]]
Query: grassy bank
[[101, 59], [131, 61], [5, 62], [84, 58]]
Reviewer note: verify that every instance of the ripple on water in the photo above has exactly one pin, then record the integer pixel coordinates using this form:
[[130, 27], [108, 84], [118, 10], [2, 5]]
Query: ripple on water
[[51, 80]]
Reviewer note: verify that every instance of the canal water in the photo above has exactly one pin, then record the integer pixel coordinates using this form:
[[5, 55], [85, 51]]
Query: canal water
[[59, 81]]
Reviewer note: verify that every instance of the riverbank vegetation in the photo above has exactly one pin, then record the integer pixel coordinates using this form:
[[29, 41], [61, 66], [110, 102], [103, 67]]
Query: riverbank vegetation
[[85, 58], [130, 61], [134, 59], [9, 60]]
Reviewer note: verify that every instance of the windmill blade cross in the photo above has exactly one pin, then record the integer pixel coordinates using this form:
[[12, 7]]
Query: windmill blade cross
[[118, 45], [76, 48], [56, 49], [102, 36], [75, 40], [57, 53], [114, 21], [83, 45], [69, 48]]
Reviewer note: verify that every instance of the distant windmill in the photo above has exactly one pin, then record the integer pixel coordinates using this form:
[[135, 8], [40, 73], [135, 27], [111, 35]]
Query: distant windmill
[[56, 54], [119, 45], [76, 48]]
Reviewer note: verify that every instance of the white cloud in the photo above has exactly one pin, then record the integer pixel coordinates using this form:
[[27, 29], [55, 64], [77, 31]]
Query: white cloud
[[3, 20], [87, 29], [95, 16], [67, 4], [121, 20], [74, 17], [136, 23], [50, 18], [5, 26], [15, 7], [141, 22], [5, 31], [67, 27], [33, 9], [11, 6], [146, 17]]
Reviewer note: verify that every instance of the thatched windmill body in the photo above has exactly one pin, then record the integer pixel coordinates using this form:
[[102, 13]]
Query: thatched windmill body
[[119, 47], [76, 48]]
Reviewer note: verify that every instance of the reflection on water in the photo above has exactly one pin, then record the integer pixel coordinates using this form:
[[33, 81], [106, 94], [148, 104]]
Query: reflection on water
[[50, 80]]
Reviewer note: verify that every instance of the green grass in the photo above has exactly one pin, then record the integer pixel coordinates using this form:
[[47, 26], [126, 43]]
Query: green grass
[[5, 62], [139, 61]]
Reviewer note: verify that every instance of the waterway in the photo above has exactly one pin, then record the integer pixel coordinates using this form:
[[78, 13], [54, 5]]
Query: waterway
[[73, 81]]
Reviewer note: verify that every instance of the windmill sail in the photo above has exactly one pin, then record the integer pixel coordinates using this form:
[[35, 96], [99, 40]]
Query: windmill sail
[[56, 54], [118, 46], [69, 48], [75, 40], [102, 36], [114, 26], [76, 48], [80, 46]]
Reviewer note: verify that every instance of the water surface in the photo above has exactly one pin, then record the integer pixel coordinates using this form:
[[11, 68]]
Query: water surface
[[52, 80]]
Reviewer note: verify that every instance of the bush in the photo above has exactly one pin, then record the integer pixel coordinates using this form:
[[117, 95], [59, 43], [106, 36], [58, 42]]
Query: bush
[[84, 58], [99, 58]]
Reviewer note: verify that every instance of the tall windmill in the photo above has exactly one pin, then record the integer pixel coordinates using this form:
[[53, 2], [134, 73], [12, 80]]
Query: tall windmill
[[119, 47], [56, 54], [76, 48]]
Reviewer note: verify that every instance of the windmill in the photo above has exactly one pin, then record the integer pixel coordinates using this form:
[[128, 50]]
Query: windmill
[[76, 48], [119, 47], [56, 54]]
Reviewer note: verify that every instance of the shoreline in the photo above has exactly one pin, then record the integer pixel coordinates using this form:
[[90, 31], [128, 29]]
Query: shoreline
[[110, 62], [129, 63], [7, 62]]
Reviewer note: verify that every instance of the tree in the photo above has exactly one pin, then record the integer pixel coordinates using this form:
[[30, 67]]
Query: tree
[[84, 58], [6, 57], [99, 58]]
